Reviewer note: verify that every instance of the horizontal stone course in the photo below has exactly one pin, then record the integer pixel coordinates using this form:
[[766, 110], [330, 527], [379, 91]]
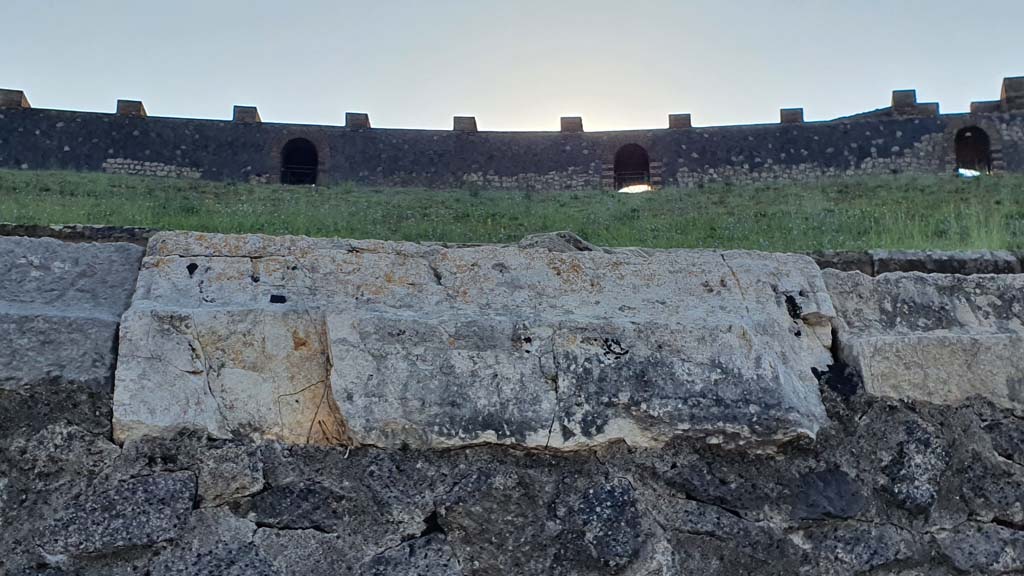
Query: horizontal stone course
[[387, 343]]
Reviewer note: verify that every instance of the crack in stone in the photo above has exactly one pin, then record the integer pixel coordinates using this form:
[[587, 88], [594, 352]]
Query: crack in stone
[[340, 434], [556, 380], [206, 371], [318, 529], [736, 278]]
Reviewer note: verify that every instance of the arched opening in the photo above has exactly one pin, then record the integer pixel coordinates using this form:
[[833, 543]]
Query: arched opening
[[632, 167], [299, 162], [973, 149]]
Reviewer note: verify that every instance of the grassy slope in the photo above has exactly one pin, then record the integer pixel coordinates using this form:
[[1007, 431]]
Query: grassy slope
[[884, 212]]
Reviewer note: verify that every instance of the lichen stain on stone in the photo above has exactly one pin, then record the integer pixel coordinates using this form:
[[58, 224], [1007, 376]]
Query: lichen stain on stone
[[569, 271]]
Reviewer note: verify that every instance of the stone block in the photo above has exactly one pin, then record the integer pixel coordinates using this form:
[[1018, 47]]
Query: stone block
[[464, 124], [571, 124], [845, 261], [396, 344], [791, 115], [60, 304], [904, 102], [983, 548], [129, 514], [131, 108], [357, 121], [938, 262], [1012, 95], [679, 121], [939, 338], [13, 99], [246, 115]]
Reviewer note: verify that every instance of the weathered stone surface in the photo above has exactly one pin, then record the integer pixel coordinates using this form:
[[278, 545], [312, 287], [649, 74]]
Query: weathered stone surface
[[214, 542], [984, 549], [59, 308], [426, 556], [135, 512], [939, 338], [395, 344], [853, 548], [564, 241]]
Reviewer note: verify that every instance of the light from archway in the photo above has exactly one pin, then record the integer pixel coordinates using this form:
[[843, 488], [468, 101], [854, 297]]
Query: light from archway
[[636, 189]]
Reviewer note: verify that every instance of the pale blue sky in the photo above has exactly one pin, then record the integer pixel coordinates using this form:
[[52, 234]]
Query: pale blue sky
[[515, 64]]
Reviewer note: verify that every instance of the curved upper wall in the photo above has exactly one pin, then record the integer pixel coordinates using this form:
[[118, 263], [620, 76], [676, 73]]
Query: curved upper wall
[[905, 137]]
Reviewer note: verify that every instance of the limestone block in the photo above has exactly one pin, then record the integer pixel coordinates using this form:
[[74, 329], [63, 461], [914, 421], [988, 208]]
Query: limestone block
[[940, 338], [60, 304], [398, 344]]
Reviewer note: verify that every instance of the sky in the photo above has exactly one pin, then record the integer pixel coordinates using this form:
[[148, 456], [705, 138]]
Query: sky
[[514, 64]]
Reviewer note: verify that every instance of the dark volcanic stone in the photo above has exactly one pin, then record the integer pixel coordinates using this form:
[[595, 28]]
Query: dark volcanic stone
[[826, 494], [137, 512], [889, 489]]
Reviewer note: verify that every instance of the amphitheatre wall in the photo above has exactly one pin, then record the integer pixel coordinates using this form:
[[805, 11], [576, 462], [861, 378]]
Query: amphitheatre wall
[[906, 137]]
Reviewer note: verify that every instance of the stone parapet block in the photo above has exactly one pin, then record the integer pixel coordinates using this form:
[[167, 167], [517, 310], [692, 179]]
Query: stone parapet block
[[131, 108], [13, 99]]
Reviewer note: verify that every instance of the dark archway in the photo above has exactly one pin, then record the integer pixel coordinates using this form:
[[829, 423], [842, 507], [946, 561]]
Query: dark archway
[[299, 162], [632, 166], [973, 149]]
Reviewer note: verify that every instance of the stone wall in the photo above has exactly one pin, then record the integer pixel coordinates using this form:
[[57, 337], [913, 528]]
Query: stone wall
[[906, 457], [875, 262], [142, 168], [249, 151]]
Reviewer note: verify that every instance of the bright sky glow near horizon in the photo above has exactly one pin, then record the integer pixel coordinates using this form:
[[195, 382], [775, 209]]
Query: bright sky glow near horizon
[[514, 64]]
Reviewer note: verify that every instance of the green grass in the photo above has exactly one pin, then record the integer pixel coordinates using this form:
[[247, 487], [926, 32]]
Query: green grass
[[879, 212]]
